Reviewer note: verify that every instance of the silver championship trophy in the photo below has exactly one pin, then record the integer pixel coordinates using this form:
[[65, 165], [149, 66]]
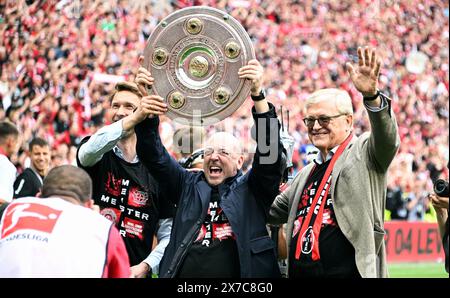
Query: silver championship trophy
[[194, 54]]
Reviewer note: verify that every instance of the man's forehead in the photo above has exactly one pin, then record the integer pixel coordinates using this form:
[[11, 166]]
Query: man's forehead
[[126, 96], [219, 143], [40, 148], [223, 141], [325, 107]]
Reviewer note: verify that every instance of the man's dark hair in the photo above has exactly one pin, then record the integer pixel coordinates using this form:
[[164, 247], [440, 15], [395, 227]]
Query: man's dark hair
[[7, 129], [37, 142], [68, 181]]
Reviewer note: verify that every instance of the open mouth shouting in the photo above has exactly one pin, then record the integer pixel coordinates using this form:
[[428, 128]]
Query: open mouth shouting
[[215, 171]]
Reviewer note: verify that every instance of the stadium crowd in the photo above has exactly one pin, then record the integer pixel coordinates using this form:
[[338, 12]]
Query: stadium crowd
[[59, 61]]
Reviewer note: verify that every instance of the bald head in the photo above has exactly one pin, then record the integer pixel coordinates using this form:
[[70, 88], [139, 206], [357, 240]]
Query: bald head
[[68, 181]]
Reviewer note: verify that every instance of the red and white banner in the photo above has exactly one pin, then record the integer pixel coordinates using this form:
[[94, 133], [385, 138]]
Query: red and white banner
[[413, 242]]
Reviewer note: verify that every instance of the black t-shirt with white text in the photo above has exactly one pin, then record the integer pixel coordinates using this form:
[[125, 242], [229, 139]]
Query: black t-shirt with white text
[[337, 255], [214, 252], [129, 196]]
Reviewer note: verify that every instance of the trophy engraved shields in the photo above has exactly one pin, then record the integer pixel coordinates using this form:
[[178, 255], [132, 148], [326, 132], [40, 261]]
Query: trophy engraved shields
[[194, 54]]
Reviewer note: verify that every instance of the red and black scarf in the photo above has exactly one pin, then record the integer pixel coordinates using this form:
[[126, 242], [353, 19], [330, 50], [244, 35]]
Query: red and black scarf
[[308, 238]]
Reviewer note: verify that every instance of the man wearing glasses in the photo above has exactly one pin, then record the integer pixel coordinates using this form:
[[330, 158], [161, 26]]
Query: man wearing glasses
[[220, 225], [334, 207]]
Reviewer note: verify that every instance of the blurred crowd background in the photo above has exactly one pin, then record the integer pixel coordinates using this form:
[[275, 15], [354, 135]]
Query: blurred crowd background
[[59, 61]]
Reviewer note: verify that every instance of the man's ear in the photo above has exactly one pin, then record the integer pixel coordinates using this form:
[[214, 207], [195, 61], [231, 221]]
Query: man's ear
[[240, 162], [350, 120], [10, 141], [141, 60]]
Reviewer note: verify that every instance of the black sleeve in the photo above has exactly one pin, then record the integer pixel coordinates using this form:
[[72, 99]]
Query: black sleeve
[[166, 206], [24, 185], [265, 175], [151, 152]]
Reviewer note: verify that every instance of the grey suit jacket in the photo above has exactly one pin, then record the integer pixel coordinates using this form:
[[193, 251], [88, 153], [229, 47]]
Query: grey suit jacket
[[358, 192]]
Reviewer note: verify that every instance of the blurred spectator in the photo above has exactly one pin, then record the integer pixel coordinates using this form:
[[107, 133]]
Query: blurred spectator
[[394, 201], [29, 183]]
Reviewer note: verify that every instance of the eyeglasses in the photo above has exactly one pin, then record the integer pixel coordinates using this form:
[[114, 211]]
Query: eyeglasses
[[323, 120], [222, 152]]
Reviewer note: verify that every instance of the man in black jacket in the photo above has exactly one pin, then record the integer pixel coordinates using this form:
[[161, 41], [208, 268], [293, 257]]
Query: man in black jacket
[[29, 183], [220, 226]]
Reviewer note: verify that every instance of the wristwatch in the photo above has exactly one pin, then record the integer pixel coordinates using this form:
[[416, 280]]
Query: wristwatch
[[372, 97], [260, 96]]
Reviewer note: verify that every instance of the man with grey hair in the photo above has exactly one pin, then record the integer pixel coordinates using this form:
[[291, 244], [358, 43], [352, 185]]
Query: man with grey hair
[[334, 208], [220, 226], [58, 235]]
